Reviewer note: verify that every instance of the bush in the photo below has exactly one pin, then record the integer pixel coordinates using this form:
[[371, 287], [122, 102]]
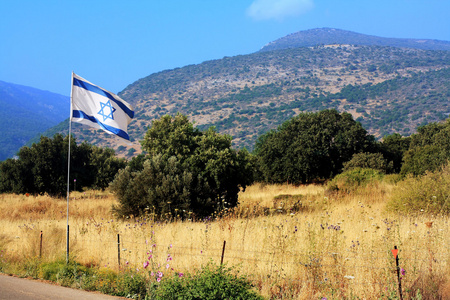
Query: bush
[[73, 274], [351, 180], [367, 160], [429, 193], [210, 282], [66, 274], [159, 188], [131, 285]]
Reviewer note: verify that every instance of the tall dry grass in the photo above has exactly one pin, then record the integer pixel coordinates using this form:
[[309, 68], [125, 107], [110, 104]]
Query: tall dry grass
[[295, 242]]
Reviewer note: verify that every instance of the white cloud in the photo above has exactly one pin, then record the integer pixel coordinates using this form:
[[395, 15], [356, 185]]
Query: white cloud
[[278, 9]]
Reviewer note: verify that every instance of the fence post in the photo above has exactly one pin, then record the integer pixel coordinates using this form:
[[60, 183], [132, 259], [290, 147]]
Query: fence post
[[223, 252], [395, 252], [40, 245], [118, 249]]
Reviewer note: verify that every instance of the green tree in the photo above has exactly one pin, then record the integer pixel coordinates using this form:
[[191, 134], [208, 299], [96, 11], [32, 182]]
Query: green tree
[[393, 147], [185, 170], [105, 166], [429, 149], [42, 168], [310, 146]]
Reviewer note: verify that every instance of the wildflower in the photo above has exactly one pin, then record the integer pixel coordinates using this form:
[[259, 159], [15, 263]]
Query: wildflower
[[403, 271], [167, 266], [127, 262], [146, 264], [152, 274], [158, 279], [150, 257], [180, 275]]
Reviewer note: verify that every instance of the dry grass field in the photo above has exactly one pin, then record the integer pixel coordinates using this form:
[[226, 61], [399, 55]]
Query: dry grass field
[[294, 242]]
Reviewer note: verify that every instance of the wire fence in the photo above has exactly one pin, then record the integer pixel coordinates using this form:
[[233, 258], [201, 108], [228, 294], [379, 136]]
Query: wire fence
[[320, 267]]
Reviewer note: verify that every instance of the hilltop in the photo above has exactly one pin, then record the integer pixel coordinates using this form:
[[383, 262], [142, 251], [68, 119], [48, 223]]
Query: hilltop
[[387, 88], [330, 36]]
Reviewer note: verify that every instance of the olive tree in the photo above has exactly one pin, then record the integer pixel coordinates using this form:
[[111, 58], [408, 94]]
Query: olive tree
[[185, 172]]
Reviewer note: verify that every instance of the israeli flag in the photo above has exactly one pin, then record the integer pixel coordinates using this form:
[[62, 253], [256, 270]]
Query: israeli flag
[[98, 108]]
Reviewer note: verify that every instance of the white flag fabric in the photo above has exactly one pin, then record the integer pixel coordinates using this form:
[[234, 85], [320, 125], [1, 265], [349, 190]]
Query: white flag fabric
[[98, 108]]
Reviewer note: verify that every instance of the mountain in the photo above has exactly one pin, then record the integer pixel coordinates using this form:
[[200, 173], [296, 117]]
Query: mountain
[[25, 113], [387, 88], [330, 36]]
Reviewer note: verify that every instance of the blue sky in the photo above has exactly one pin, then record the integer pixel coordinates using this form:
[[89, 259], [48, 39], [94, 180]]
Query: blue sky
[[114, 43]]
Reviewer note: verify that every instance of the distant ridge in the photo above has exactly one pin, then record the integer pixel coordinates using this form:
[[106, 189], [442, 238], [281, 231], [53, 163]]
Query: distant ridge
[[26, 112], [327, 36]]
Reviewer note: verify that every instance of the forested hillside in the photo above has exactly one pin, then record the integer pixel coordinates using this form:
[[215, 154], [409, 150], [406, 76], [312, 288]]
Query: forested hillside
[[387, 89]]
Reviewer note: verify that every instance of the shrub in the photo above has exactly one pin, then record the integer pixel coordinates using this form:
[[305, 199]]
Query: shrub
[[429, 193], [131, 285], [367, 160], [210, 282], [66, 274], [351, 180]]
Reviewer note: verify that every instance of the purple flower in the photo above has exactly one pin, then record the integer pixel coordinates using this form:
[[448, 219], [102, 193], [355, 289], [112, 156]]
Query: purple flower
[[180, 274], [403, 271], [158, 279], [167, 266], [146, 264]]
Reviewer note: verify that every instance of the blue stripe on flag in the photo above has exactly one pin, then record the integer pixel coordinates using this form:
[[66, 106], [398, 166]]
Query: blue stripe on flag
[[81, 115], [92, 88]]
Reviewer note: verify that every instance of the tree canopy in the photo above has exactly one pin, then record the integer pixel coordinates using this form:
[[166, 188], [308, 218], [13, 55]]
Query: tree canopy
[[429, 149], [186, 171], [42, 168], [310, 146]]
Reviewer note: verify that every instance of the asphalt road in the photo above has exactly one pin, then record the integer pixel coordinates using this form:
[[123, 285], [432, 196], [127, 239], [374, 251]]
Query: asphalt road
[[14, 288]]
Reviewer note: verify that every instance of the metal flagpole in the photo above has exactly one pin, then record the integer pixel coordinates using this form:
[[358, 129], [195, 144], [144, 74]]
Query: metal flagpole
[[68, 172]]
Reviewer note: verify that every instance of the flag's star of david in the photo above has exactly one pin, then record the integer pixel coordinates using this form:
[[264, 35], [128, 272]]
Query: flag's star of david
[[106, 111]]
